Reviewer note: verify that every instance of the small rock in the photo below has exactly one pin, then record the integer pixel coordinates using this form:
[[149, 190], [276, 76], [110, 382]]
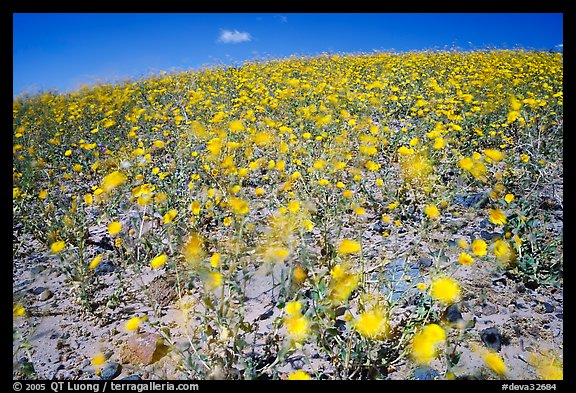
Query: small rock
[[489, 309], [425, 262], [146, 348], [487, 235], [111, 371], [491, 338], [37, 291], [470, 200], [104, 267], [296, 362], [45, 295], [425, 373], [131, 378], [182, 345], [548, 308], [560, 316], [452, 314], [37, 269]]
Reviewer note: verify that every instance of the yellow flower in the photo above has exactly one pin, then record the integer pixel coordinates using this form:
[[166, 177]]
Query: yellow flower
[[259, 191], [293, 308], [158, 144], [159, 261], [495, 362], [98, 359], [213, 280], [58, 246], [404, 151], [348, 246], [509, 198], [294, 206], [425, 343], [439, 143], [43, 194], [18, 310], [114, 228], [432, 212], [372, 324], [372, 166], [132, 324], [547, 366], [503, 252], [238, 205], [193, 250], [227, 221], [307, 225], [494, 154], [446, 290], [88, 199], [215, 260], [524, 157], [195, 206], [497, 216], [299, 274], [169, 217], [113, 180], [276, 254], [421, 286], [297, 327], [298, 375], [465, 259], [343, 283], [462, 243], [479, 247], [95, 262]]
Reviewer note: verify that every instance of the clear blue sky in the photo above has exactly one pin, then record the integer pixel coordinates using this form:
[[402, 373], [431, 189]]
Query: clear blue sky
[[63, 51]]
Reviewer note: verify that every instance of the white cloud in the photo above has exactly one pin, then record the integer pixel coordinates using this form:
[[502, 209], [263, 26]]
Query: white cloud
[[233, 37], [282, 18]]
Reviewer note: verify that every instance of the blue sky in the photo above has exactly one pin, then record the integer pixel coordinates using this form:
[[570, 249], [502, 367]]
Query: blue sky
[[65, 51]]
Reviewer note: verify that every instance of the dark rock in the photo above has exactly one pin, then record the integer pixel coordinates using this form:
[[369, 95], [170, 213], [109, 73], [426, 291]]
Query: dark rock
[[548, 308], [111, 371], [104, 267], [489, 309], [425, 262], [37, 269], [490, 235], [425, 373], [131, 378], [45, 295], [452, 314], [37, 291], [560, 316], [491, 338], [476, 200]]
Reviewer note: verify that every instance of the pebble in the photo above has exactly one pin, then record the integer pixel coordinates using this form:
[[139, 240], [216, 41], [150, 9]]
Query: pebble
[[37, 291], [182, 345], [425, 373], [452, 314], [491, 338], [111, 371], [131, 378], [425, 262], [548, 308], [105, 267], [469, 200], [489, 309]]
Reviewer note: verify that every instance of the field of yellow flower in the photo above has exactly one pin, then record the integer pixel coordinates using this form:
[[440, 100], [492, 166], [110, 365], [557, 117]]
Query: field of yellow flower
[[370, 216]]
